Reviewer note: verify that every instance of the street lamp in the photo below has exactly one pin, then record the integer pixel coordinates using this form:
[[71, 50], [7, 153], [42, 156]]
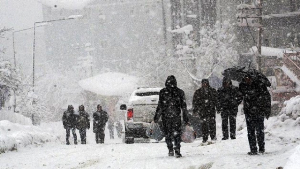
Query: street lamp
[[13, 35], [42, 22]]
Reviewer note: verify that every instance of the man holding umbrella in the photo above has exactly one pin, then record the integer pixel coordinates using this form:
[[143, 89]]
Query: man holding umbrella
[[257, 106]]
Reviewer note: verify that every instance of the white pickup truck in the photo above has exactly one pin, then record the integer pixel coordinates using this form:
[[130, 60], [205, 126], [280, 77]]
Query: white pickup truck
[[139, 113]]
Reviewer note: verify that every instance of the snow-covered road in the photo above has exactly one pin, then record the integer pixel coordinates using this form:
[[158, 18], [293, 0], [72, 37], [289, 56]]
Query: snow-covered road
[[114, 154], [282, 136]]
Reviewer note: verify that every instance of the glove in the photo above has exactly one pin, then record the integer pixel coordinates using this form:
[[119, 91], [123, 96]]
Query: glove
[[267, 117], [188, 123], [155, 121]]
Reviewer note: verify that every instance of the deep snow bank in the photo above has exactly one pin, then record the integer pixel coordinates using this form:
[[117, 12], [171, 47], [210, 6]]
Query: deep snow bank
[[15, 135], [14, 117], [293, 161]]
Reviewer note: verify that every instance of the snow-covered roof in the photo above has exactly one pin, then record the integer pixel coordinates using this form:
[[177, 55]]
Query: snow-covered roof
[[66, 4], [283, 15], [268, 51], [186, 29], [246, 6], [110, 84]]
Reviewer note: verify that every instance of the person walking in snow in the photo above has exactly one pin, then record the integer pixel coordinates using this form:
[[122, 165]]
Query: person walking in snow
[[100, 118], [204, 104], [257, 106], [83, 123], [229, 98], [170, 105], [69, 119]]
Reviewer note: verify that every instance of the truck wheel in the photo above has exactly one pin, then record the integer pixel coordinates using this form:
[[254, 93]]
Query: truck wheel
[[129, 140]]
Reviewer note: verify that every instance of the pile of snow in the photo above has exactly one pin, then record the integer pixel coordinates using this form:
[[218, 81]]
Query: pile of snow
[[285, 127], [110, 84], [186, 29], [293, 161], [66, 4], [14, 117], [268, 51], [291, 110], [15, 135]]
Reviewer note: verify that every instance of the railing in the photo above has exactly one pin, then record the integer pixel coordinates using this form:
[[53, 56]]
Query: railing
[[292, 61]]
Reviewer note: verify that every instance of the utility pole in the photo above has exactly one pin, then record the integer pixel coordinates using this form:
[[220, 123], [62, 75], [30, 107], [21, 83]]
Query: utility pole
[[251, 16], [260, 30]]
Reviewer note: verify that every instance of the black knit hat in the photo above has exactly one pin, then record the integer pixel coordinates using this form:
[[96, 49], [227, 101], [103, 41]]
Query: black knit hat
[[205, 81]]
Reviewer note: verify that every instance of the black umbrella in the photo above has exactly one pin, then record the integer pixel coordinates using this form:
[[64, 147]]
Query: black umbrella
[[235, 73], [256, 75], [238, 73]]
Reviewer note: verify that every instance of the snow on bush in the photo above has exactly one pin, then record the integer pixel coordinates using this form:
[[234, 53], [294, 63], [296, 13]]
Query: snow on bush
[[291, 109], [14, 117], [285, 127], [15, 135]]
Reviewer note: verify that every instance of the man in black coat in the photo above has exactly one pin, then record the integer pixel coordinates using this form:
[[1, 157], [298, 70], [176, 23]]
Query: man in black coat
[[69, 121], [204, 104], [171, 103], [257, 105], [83, 123], [100, 118], [229, 98]]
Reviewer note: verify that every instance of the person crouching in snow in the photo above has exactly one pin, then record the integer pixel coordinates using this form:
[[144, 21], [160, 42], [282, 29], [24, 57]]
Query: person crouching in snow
[[69, 121], [171, 103], [100, 118], [83, 123]]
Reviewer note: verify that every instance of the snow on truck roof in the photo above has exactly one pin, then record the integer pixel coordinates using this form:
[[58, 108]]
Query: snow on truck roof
[[110, 84]]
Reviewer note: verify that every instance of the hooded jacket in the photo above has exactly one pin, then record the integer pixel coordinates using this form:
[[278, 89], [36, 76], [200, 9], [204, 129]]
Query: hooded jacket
[[69, 118], [171, 102], [257, 99], [229, 98], [83, 121], [205, 102]]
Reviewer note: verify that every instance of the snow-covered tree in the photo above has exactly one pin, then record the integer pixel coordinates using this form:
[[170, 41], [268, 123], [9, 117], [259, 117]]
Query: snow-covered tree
[[217, 50]]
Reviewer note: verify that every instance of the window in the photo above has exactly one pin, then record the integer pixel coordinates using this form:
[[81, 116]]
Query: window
[[147, 93]]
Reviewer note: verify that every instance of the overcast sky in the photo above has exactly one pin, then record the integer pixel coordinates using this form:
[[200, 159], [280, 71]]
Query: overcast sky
[[19, 14]]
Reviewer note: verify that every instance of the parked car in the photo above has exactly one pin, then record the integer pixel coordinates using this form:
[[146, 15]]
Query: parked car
[[139, 112]]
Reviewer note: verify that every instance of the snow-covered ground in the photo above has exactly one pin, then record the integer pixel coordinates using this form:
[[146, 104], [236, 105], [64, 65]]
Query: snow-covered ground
[[282, 148]]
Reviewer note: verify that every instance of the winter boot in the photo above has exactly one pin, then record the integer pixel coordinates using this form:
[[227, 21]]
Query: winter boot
[[75, 142], [171, 152], [177, 153], [67, 142], [101, 141], [252, 153], [224, 138]]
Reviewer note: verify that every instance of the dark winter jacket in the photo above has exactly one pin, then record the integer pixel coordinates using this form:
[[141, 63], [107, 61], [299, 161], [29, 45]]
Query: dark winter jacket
[[100, 119], [205, 102], [83, 121], [69, 119], [171, 102], [229, 99], [257, 99]]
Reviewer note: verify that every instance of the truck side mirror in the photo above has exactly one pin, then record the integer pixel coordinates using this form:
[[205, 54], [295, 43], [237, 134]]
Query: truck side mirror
[[123, 107]]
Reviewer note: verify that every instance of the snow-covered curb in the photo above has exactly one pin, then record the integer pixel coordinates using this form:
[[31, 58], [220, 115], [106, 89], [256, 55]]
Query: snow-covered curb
[[14, 136]]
